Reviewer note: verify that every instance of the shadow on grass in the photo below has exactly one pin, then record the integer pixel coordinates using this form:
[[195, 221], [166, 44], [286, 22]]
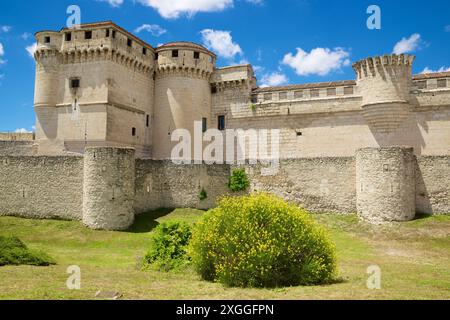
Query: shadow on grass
[[422, 216], [146, 222]]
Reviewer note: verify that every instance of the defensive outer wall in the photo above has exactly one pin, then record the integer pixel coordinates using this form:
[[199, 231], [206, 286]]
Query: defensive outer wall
[[108, 186]]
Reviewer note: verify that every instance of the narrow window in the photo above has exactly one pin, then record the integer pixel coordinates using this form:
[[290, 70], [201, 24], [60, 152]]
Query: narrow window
[[213, 89], [133, 132], [348, 90], [74, 83], [68, 36], [204, 125], [315, 93], [156, 56], [298, 94], [282, 96], [114, 34], [442, 83], [47, 40], [88, 35], [147, 121], [144, 51], [107, 33], [196, 55], [331, 92], [422, 85], [221, 123], [174, 53], [129, 42]]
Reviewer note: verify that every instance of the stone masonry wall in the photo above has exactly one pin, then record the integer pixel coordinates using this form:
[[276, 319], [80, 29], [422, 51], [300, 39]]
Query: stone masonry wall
[[41, 187]]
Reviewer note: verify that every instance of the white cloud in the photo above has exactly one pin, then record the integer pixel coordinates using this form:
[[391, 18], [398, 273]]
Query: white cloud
[[154, 29], [114, 3], [5, 29], [173, 9], [407, 44], [220, 42], [22, 130], [31, 49], [320, 61], [2, 53], [441, 69], [274, 79], [25, 35]]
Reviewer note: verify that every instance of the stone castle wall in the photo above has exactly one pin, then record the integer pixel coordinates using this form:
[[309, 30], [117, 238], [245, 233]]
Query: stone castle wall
[[108, 186]]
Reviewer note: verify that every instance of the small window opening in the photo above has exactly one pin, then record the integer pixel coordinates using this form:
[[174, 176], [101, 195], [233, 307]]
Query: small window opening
[[221, 123], [213, 89], [147, 121], [144, 51], [299, 133], [129, 42], [68, 36], [47, 40], [74, 83], [156, 56], [174, 53], [88, 35], [133, 132], [114, 34], [204, 125], [196, 55], [107, 33]]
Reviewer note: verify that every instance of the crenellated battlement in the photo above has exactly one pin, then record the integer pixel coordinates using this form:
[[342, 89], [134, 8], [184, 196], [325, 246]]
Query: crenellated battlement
[[374, 66]]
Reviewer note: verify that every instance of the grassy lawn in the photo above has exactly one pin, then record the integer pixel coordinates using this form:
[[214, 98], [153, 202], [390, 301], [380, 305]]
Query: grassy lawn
[[414, 258]]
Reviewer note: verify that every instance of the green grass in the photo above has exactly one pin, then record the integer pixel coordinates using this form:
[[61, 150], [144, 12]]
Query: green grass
[[414, 258]]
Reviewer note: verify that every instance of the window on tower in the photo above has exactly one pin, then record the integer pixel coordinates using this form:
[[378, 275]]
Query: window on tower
[[88, 35], [196, 55], [74, 83], [221, 123], [174, 53]]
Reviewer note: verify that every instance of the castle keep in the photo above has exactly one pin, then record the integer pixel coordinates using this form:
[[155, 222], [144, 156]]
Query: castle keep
[[107, 104]]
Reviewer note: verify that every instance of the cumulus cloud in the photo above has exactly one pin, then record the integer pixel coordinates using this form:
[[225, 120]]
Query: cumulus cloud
[[441, 69], [274, 79], [320, 61], [406, 45], [173, 9], [22, 130], [5, 29], [154, 29], [220, 42], [31, 49], [114, 3]]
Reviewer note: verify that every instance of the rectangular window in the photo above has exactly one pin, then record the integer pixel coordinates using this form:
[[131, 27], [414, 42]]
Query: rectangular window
[[156, 56], [47, 40], [442, 83], [267, 97], [196, 55], [315, 93], [68, 36], [204, 125], [213, 89], [254, 99], [221, 123], [331, 92], [129, 42], [74, 83], [107, 33], [88, 35], [348, 90], [282, 96], [298, 94], [174, 53], [147, 121], [144, 51], [114, 34], [422, 85], [133, 132]]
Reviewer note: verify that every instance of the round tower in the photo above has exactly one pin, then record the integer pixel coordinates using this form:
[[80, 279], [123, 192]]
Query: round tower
[[182, 92], [385, 184], [385, 84], [108, 188]]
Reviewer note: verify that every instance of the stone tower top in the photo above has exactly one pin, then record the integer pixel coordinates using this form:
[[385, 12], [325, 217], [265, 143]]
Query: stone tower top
[[185, 58]]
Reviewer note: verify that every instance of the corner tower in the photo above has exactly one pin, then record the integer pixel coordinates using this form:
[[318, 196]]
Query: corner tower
[[385, 84], [182, 92]]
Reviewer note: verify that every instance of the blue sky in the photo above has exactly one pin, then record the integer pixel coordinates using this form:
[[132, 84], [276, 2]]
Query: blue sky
[[288, 41]]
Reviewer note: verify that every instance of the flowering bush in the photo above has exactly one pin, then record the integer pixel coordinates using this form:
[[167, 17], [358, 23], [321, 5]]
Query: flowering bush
[[261, 241]]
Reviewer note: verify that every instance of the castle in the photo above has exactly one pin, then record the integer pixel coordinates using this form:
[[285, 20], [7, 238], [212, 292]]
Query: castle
[[107, 104]]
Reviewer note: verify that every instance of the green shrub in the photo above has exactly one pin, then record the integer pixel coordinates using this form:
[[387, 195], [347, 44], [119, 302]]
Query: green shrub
[[169, 246], [239, 180], [15, 252], [261, 241], [203, 195]]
